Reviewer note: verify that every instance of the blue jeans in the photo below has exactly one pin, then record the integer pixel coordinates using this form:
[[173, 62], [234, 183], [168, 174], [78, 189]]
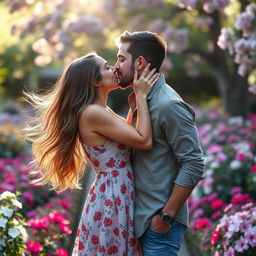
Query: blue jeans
[[163, 244]]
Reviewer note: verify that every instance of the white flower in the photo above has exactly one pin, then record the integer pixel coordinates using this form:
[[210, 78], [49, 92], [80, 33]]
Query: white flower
[[234, 165], [13, 232], [214, 165], [16, 203], [6, 211], [6, 195], [3, 222], [23, 232]]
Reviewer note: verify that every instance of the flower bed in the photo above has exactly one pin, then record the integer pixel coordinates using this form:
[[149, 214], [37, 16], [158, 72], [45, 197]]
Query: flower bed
[[223, 213], [46, 213]]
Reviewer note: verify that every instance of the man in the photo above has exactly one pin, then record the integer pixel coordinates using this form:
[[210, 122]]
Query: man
[[166, 175]]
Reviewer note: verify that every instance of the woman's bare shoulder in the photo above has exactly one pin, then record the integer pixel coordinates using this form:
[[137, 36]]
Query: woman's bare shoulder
[[93, 112]]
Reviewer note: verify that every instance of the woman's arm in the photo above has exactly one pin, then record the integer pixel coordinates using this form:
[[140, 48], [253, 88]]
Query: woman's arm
[[103, 122]]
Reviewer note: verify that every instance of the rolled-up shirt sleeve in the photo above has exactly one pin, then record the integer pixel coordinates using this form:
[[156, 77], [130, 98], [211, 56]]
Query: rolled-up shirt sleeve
[[178, 124]]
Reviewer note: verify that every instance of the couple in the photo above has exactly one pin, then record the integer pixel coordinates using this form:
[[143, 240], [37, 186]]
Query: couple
[[73, 120]]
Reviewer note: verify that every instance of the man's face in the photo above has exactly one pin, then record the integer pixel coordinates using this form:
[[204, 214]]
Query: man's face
[[124, 68]]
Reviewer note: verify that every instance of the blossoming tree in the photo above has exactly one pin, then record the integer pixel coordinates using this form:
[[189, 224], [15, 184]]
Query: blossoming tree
[[201, 30]]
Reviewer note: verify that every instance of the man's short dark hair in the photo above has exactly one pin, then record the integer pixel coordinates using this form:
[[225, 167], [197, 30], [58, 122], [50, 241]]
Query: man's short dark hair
[[147, 44]]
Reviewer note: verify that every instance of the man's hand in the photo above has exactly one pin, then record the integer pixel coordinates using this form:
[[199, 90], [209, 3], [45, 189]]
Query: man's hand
[[157, 225]]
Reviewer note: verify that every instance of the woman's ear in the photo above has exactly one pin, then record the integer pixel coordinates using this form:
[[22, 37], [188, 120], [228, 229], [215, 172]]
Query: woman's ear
[[97, 84]]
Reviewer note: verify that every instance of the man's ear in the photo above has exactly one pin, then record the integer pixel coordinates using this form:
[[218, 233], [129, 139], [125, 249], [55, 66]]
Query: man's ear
[[140, 63]]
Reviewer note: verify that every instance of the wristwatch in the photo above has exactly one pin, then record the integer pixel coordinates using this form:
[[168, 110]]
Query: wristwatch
[[166, 218]]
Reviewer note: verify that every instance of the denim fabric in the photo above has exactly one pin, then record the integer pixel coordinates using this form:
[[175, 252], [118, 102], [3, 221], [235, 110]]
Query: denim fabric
[[168, 244]]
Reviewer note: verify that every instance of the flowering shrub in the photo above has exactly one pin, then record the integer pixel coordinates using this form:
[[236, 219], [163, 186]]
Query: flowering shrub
[[13, 235], [230, 154], [47, 230], [235, 233]]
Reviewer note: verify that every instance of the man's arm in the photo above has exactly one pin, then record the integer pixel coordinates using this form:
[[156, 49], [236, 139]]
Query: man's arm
[[178, 125]]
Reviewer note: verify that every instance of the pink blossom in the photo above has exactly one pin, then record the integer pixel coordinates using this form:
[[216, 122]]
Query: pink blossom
[[64, 228], [216, 215], [229, 252], [34, 247], [241, 245], [64, 204], [235, 190], [39, 223], [197, 213], [250, 236], [215, 148]]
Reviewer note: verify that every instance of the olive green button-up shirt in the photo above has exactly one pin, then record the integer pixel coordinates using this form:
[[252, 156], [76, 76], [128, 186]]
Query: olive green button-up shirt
[[176, 156]]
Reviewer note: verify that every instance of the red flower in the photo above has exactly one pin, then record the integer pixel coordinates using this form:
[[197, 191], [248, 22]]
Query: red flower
[[61, 252], [123, 189], [116, 231], [117, 201], [216, 204], [111, 163], [107, 222], [95, 240], [91, 189], [112, 249], [84, 228], [97, 216], [64, 228], [93, 198], [108, 202], [115, 173], [215, 237], [124, 233], [102, 187], [253, 168], [80, 246], [132, 242], [64, 204], [129, 175], [96, 163], [202, 223], [101, 249], [132, 196], [34, 247], [121, 146], [122, 164], [238, 199]]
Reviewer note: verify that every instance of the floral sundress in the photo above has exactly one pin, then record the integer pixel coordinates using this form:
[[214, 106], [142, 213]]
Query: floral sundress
[[106, 226]]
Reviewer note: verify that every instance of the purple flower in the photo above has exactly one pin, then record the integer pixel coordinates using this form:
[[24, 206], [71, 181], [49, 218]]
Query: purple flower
[[229, 252], [250, 236], [241, 245]]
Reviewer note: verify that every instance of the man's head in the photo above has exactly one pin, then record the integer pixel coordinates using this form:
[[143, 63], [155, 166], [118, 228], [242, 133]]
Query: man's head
[[136, 50]]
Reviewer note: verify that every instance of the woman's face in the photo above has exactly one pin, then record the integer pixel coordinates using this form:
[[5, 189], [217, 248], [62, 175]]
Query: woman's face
[[108, 78]]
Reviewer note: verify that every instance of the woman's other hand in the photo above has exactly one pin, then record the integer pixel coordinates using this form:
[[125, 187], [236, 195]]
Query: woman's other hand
[[145, 82]]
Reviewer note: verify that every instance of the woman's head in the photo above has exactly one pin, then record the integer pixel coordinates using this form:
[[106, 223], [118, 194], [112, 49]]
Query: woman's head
[[57, 151]]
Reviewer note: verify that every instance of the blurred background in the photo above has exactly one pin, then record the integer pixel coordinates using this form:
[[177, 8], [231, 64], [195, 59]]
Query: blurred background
[[211, 63]]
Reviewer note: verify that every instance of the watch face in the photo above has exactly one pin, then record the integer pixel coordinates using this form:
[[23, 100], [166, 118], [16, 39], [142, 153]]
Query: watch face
[[166, 219]]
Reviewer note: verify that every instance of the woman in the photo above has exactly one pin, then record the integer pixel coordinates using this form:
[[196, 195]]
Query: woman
[[72, 121]]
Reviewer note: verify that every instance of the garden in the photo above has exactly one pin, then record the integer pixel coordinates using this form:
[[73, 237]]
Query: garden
[[211, 63]]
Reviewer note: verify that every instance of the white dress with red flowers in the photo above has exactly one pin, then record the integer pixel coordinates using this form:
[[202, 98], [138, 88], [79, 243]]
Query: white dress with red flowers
[[107, 222]]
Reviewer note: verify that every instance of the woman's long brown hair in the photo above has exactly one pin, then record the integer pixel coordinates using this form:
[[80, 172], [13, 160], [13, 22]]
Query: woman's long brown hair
[[58, 156]]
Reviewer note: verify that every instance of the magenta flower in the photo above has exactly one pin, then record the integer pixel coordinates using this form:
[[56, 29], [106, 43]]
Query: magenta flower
[[216, 204], [61, 252], [253, 168], [34, 247]]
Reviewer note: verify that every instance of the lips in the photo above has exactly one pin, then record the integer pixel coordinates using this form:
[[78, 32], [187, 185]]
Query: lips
[[117, 75]]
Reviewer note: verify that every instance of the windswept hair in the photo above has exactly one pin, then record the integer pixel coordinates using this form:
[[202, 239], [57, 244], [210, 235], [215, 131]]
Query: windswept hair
[[58, 156]]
